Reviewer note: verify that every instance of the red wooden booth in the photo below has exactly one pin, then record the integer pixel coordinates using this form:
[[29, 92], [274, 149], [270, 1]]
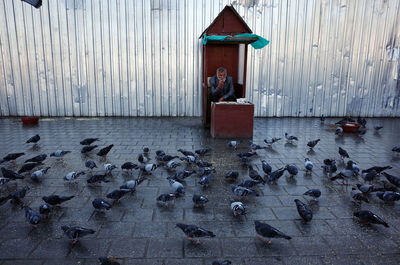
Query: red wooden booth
[[232, 55]]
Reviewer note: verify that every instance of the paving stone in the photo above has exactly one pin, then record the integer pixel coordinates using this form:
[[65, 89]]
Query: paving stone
[[165, 248], [128, 248], [208, 247]]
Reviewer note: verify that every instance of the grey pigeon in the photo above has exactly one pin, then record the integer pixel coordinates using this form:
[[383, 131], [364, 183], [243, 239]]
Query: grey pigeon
[[38, 158], [34, 139], [28, 167], [270, 140], [343, 153], [88, 141], [189, 159], [265, 230], [366, 188], [292, 170], [177, 186], [172, 164], [60, 153], [109, 168], [308, 165], [290, 138], [237, 208], [38, 175], [206, 170], [254, 146], [233, 144], [199, 200], [166, 158], [165, 198], [392, 179], [377, 127], [249, 183], [90, 164], [72, 176], [369, 217], [185, 152], [88, 148], [56, 199], [203, 151], [101, 205], [339, 131], [242, 191], [314, 193], [369, 176], [313, 143], [10, 174], [148, 168], [232, 175], [193, 231], [266, 167], [388, 196], [205, 180], [11, 157], [201, 163], [76, 232], [182, 175], [116, 195], [275, 175], [143, 159], [104, 151], [358, 196], [131, 184], [253, 174], [304, 211], [32, 216]]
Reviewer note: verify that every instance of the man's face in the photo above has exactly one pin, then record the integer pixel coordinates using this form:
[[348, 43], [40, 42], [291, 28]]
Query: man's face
[[221, 75]]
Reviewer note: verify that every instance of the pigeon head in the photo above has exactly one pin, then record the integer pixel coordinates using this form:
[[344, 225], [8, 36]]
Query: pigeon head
[[181, 226], [64, 228]]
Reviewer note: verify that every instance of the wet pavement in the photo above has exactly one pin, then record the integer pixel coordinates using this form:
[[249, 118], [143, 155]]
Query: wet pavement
[[139, 231]]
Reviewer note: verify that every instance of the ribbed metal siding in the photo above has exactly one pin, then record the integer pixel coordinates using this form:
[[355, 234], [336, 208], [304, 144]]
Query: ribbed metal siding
[[143, 58]]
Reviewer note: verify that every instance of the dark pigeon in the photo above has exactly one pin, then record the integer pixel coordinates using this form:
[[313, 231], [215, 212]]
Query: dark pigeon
[[205, 180], [304, 211], [225, 262], [33, 139], [116, 195], [201, 163], [392, 179], [88, 141], [28, 167], [37, 159], [369, 217], [249, 183], [45, 209], [10, 174], [388, 196], [185, 152], [108, 261], [76, 232], [275, 175], [313, 143], [193, 231], [358, 196], [253, 174], [101, 205], [15, 197], [266, 167], [88, 148], [315, 193], [343, 153], [232, 175], [11, 157], [165, 198], [32, 216], [56, 199], [377, 169], [104, 151], [182, 175], [129, 166], [265, 230], [199, 200], [90, 165], [203, 151], [292, 170]]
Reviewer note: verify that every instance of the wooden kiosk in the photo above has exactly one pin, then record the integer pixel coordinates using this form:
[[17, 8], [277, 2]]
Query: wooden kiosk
[[227, 120]]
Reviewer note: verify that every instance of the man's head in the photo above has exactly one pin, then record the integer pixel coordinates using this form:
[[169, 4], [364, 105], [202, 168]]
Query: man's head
[[221, 73]]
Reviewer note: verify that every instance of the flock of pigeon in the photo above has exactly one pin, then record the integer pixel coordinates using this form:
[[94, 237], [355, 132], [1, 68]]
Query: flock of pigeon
[[194, 164]]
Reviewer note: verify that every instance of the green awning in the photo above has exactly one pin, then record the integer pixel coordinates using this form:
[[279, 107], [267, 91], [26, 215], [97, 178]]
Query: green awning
[[257, 42]]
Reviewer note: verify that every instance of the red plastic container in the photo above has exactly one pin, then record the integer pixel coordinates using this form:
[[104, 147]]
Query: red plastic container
[[30, 120], [350, 127]]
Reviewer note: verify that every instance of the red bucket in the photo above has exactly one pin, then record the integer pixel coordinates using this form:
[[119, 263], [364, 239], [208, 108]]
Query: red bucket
[[350, 127], [30, 120]]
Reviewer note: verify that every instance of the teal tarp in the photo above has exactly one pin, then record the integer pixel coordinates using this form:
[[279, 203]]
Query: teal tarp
[[258, 44]]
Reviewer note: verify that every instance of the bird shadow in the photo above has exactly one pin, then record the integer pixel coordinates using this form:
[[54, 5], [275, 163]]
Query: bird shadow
[[291, 180], [339, 140], [290, 145], [377, 134], [271, 150], [311, 152]]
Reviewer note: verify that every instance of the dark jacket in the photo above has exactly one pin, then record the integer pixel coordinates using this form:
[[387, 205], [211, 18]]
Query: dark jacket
[[227, 89]]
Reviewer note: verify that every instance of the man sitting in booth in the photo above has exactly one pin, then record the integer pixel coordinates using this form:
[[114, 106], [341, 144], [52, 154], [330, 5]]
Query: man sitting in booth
[[222, 86]]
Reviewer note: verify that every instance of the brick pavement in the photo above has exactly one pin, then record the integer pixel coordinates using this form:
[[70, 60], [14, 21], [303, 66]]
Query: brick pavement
[[141, 232]]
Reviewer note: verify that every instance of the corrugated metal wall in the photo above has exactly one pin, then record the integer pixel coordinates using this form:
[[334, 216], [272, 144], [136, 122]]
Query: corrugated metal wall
[[143, 58]]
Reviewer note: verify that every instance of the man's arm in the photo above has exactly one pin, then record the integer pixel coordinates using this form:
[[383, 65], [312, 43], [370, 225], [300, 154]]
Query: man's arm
[[214, 85], [231, 91]]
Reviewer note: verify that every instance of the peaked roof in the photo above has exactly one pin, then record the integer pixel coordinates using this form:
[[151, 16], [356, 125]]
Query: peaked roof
[[220, 19]]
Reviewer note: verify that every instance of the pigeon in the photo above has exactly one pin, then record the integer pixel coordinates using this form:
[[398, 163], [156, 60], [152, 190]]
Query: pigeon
[[314, 193], [266, 167], [225, 262], [343, 153], [38, 175], [109, 168], [172, 164], [165, 198], [358, 196], [245, 161], [232, 175], [275, 175], [377, 127], [354, 166], [44, 210], [148, 168], [249, 183], [90, 164], [166, 158], [388, 196], [205, 180], [345, 120], [131, 185], [34, 139], [101, 205], [56, 199], [308, 165], [129, 166], [88, 141], [108, 261], [201, 163], [104, 151], [11, 157], [146, 151], [392, 179], [237, 208], [394, 149], [206, 170], [369, 217], [15, 197], [242, 191], [290, 138], [37, 159], [203, 151], [143, 159], [199, 200], [386, 186], [59, 153], [10, 174], [254, 146], [369, 176], [265, 230], [88, 148], [72, 176], [32, 216], [329, 166], [76, 232], [269, 140], [160, 153], [292, 170], [181, 175], [304, 211], [189, 159], [233, 144], [192, 231], [378, 169], [116, 195], [253, 174], [345, 173], [177, 186], [186, 153], [322, 118], [4, 181], [28, 167], [361, 132], [313, 143], [366, 188], [339, 131], [246, 154], [362, 121]]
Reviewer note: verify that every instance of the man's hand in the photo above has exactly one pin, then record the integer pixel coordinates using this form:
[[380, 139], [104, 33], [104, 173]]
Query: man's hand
[[220, 99], [221, 83]]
